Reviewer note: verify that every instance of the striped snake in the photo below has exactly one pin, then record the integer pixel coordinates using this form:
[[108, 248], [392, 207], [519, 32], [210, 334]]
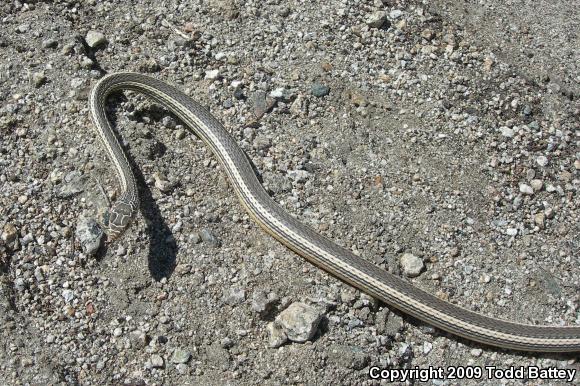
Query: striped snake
[[298, 237]]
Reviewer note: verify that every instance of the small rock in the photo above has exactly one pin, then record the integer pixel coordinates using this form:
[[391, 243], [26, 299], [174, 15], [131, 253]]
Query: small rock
[[542, 160], [262, 104], [401, 24], [282, 94], [195, 238], [89, 235], [22, 28], [87, 63], [234, 296], [299, 321], [412, 265], [427, 34], [488, 63], [139, 339], [226, 343], [261, 142], [378, 19], [212, 74], [395, 14], [157, 362], [73, 184], [68, 295], [536, 185], [540, 219], [49, 43], [476, 352], [565, 175], [319, 90], [161, 183], [121, 250], [208, 237], [149, 65], [95, 39], [239, 91], [262, 303], [526, 189], [300, 106], [9, 233], [506, 131], [358, 99], [577, 164], [299, 175], [19, 284], [180, 356], [511, 231], [38, 79], [180, 134], [277, 335]]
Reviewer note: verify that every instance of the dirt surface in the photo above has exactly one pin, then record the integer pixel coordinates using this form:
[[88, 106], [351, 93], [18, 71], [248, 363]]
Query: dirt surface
[[540, 39], [386, 126]]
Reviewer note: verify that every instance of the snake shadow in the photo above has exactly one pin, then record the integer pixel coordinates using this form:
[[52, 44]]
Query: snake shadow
[[162, 257], [163, 249]]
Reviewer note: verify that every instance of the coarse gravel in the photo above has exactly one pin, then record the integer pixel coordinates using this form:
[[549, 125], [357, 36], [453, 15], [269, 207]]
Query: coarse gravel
[[383, 125]]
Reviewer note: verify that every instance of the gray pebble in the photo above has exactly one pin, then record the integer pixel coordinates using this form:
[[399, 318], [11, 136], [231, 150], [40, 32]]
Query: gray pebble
[[262, 303], [22, 28], [180, 356], [377, 19], [139, 339], [536, 184], [412, 265], [319, 90], [157, 361], [212, 74], [68, 295], [262, 103], [542, 160], [72, 185], [395, 14], [393, 325], [195, 238], [299, 321], [506, 131], [49, 43], [208, 237], [38, 79], [511, 231], [277, 336], [9, 233], [89, 235], [95, 39], [526, 189], [234, 296], [19, 284]]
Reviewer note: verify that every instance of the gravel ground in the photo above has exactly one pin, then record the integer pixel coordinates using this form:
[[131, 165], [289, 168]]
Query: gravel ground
[[383, 125], [539, 38]]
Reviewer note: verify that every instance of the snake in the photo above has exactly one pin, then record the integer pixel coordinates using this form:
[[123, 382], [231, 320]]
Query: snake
[[324, 253]]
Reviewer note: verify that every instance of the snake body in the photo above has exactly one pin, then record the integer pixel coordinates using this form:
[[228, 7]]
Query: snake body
[[319, 250]]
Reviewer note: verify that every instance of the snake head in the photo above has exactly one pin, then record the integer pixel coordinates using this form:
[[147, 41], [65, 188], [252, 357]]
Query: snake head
[[118, 218]]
